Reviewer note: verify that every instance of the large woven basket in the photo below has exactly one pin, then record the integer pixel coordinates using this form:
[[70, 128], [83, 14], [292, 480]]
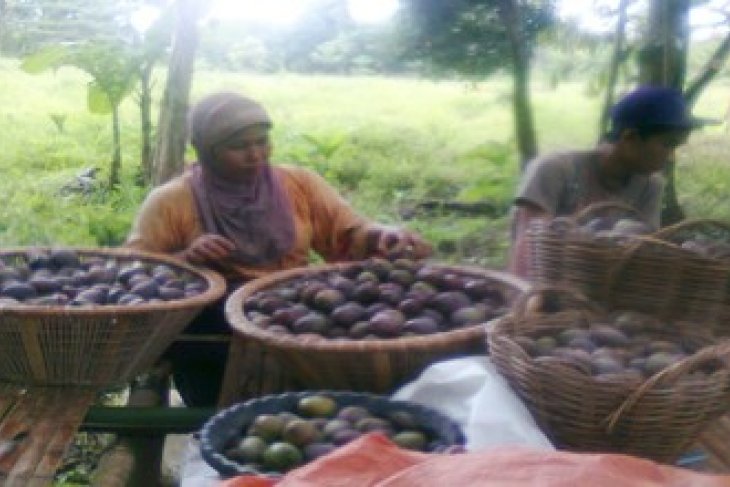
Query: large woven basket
[[376, 365], [98, 345], [649, 273], [657, 418], [707, 277]]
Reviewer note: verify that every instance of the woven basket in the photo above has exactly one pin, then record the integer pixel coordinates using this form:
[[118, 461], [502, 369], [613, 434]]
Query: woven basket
[[648, 273], [99, 345], [378, 365], [656, 419], [706, 278], [561, 253]]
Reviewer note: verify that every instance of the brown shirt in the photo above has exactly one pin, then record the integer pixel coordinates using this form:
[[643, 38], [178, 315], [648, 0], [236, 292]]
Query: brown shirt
[[324, 222], [566, 182]]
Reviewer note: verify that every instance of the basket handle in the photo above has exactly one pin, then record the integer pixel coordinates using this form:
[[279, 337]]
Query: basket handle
[[672, 373], [525, 303], [603, 205], [667, 232], [639, 242]]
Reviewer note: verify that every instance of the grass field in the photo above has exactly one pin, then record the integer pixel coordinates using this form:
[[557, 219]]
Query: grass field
[[387, 143]]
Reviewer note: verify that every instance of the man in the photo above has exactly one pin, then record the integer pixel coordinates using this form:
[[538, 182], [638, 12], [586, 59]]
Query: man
[[647, 125]]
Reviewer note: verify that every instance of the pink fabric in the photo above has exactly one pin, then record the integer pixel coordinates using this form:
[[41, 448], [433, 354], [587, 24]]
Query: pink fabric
[[374, 461]]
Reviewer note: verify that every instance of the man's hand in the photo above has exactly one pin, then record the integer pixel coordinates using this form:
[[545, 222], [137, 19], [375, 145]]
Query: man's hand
[[207, 249], [398, 241]]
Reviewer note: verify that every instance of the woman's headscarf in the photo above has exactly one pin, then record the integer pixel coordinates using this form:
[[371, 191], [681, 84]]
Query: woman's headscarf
[[256, 215]]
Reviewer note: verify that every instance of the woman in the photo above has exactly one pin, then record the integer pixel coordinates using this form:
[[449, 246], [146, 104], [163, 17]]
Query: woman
[[235, 212]]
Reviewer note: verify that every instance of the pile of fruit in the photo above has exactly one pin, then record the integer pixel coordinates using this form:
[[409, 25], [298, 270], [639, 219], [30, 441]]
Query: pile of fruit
[[278, 442], [626, 345], [600, 227], [377, 298], [60, 276]]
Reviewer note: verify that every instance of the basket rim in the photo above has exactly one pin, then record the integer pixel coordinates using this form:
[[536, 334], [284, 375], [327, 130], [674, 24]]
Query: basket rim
[[240, 325], [215, 290]]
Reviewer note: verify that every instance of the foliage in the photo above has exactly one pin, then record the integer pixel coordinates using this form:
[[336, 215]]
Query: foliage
[[467, 37]]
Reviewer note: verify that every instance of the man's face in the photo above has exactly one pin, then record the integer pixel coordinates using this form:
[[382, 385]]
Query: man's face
[[650, 154], [242, 154]]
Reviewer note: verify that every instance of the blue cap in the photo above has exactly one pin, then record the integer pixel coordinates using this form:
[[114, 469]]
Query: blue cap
[[653, 106]]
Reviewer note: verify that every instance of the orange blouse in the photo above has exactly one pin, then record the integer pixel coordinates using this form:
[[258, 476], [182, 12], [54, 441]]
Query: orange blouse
[[324, 222]]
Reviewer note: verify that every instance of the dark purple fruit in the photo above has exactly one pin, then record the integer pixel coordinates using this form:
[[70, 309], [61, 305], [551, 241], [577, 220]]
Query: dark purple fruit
[[312, 322], [38, 260], [44, 284], [423, 325], [328, 299], [478, 289], [375, 308], [145, 289], [391, 293], [431, 276], [64, 258], [348, 313], [18, 290], [401, 276], [353, 414], [449, 301], [366, 292], [411, 306], [388, 323], [344, 436], [343, 285], [380, 267]]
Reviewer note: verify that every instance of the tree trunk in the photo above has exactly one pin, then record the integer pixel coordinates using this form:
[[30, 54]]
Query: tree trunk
[[145, 111], [524, 124], [117, 151], [172, 127], [663, 62], [616, 59], [709, 71]]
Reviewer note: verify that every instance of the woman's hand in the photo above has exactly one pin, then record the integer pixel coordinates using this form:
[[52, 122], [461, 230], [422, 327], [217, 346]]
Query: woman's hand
[[399, 241], [208, 248]]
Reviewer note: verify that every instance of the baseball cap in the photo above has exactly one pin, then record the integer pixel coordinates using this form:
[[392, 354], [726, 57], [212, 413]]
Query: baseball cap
[[653, 106]]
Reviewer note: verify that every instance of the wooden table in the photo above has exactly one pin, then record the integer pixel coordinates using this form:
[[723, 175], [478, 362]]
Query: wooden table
[[51, 416], [46, 419]]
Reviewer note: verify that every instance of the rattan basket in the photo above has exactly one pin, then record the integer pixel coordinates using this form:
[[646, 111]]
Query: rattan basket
[[378, 365], [647, 273], [707, 277], [560, 253], [99, 345], [657, 418]]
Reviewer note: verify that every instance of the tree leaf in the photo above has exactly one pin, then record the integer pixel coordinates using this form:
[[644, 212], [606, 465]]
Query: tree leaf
[[50, 57]]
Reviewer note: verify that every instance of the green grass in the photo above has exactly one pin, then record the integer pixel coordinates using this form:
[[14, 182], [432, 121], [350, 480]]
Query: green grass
[[387, 143]]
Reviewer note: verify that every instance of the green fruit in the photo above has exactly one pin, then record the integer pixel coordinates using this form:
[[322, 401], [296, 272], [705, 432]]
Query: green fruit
[[281, 456], [251, 449], [317, 406], [267, 426], [413, 440]]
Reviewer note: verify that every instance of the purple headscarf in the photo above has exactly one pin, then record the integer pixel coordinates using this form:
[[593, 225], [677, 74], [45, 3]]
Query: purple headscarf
[[257, 215]]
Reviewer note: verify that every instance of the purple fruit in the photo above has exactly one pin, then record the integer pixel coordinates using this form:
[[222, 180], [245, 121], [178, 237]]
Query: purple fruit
[[388, 322], [423, 325], [18, 290]]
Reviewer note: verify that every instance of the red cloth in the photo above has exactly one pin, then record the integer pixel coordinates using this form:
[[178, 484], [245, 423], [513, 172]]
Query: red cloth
[[374, 461]]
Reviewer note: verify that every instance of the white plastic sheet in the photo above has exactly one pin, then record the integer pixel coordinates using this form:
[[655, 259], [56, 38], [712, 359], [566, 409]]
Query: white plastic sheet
[[470, 391]]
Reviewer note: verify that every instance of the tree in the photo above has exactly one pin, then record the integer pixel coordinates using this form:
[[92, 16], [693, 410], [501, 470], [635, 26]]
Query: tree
[[475, 38], [172, 127], [112, 68], [663, 61]]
